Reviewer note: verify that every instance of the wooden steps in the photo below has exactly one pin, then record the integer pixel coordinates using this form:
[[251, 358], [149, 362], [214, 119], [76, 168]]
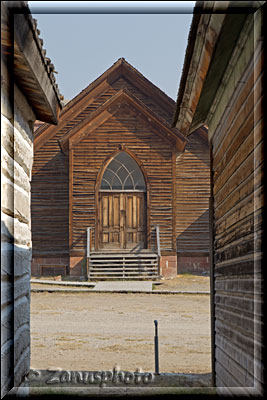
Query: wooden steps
[[143, 265]]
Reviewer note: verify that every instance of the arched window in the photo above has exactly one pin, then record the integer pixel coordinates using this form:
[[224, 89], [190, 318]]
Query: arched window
[[123, 173]]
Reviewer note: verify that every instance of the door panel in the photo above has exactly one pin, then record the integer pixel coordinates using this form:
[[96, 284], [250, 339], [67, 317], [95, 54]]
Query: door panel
[[122, 223], [135, 220], [109, 221]]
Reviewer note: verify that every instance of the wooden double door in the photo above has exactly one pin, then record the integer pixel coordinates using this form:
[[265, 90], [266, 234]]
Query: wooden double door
[[122, 220]]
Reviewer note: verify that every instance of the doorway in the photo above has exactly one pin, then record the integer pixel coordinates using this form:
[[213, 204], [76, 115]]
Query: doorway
[[122, 205], [122, 221]]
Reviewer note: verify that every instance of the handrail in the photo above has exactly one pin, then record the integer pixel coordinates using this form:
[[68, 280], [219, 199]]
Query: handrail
[[158, 240], [88, 250], [88, 241]]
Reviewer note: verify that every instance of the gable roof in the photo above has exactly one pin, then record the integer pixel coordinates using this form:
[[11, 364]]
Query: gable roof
[[121, 68], [111, 107]]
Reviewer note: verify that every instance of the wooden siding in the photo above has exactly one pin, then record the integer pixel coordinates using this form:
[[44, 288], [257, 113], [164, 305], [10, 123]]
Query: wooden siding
[[49, 201], [52, 203], [122, 82], [238, 198], [90, 154], [192, 197]]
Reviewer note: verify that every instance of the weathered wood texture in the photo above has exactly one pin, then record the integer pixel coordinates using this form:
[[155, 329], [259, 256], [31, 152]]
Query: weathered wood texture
[[238, 200], [89, 156], [97, 91], [192, 198], [50, 177], [122, 220], [20, 105], [50, 201]]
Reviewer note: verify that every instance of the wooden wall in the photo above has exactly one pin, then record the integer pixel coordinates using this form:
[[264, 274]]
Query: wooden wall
[[50, 201], [50, 176], [238, 197], [192, 205], [88, 157]]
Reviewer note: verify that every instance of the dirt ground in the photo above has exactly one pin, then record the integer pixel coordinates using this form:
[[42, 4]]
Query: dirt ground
[[98, 331], [186, 282]]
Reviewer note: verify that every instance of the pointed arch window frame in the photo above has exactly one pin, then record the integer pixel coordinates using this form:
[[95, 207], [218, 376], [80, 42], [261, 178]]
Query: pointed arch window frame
[[122, 166]]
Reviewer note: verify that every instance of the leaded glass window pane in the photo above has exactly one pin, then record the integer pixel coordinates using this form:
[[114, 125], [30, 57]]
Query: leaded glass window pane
[[128, 185], [114, 165], [139, 185], [116, 183], [105, 185], [108, 175], [123, 173]]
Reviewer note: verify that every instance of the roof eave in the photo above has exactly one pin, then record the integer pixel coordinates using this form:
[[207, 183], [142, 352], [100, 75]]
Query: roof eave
[[198, 88], [33, 79], [204, 31], [33, 72]]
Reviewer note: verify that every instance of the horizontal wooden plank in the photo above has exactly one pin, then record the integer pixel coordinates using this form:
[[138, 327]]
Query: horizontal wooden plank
[[192, 196]]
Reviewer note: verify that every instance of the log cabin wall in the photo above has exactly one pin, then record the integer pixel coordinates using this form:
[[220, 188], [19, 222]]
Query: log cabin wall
[[192, 206], [237, 152], [28, 92]]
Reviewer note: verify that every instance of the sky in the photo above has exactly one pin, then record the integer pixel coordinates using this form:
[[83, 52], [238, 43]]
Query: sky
[[83, 40]]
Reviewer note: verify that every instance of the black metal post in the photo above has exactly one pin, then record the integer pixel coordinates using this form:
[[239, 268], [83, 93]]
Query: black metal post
[[156, 343]]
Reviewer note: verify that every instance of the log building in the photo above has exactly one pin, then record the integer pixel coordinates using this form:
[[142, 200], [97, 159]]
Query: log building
[[115, 182], [28, 92]]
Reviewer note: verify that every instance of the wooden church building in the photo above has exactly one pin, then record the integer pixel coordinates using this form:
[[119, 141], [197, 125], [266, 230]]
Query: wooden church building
[[116, 191]]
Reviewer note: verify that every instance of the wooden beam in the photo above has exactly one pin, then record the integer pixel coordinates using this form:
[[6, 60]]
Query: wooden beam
[[70, 198]]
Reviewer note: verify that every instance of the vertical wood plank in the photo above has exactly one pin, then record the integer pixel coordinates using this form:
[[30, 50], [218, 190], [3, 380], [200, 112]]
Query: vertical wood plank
[[129, 211], [135, 236], [116, 205], [110, 210], [138, 205], [134, 212], [122, 221], [105, 211]]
